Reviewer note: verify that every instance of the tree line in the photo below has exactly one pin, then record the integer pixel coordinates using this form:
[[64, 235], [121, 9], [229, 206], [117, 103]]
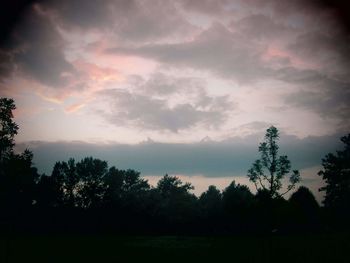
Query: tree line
[[88, 196]]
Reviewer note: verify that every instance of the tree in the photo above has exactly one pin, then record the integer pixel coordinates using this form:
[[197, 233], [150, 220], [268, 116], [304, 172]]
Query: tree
[[177, 205], [236, 196], [172, 185], [237, 206], [267, 172], [306, 212], [211, 203], [80, 184], [8, 128], [66, 179], [336, 174], [17, 174], [304, 199]]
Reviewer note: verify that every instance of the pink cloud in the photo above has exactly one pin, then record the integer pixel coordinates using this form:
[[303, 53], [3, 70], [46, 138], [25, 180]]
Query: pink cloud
[[96, 73], [272, 53], [74, 107]]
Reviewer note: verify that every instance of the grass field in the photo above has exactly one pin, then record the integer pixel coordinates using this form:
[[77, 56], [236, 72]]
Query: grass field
[[312, 248]]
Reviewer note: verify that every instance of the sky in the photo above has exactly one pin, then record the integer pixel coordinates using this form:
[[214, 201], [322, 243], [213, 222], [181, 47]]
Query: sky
[[184, 87]]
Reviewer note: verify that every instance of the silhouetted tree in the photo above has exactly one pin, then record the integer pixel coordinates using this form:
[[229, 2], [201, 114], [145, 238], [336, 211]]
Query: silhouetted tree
[[47, 192], [134, 192], [210, 203], [114, 181], [80, 184], [304, 199], [177, 205], [336, 174], [8, 128], [17, 175], [237, 205], [306, 209], [66, 180], [172, 185], [268, 171], [17, 180], [91, 188]]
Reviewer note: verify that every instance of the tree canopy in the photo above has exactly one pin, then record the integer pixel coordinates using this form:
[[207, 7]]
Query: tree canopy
[[336, 174], [87, 195], [268, 172]]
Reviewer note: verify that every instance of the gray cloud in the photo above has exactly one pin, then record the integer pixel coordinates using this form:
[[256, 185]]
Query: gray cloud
[[133, 20], [225, 53], [207, 7], [231, 157], [329, 50], [331, 102], [144, 109], [6, 64], [259, 26], [325, 95], [37, 51], [85, 14]]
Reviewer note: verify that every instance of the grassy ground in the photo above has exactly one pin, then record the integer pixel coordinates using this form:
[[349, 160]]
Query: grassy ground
[[313, 248]]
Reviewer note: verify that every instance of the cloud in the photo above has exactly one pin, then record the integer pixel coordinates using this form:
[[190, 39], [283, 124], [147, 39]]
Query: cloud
[[216, 49], [230, 157], [153, 104], [131, 20], [207, 7], [74, 107], [328, 50], [6, 65], [262, 27], [36, 50], [325, 95], [332, 102]]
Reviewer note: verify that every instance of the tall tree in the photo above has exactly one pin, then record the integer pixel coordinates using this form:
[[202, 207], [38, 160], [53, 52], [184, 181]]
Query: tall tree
[[268, 172], [17, 175], [8, 128], [336, 174]]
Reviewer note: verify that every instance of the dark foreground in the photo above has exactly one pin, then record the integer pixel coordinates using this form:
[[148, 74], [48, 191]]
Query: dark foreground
[[311, 248]]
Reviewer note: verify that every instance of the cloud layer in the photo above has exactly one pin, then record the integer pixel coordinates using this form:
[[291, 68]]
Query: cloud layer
[[178, 68]]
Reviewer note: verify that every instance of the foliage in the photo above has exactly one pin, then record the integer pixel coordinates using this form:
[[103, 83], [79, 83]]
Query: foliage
[[268, 172], [8, 127], [336, 174], [88, 196]]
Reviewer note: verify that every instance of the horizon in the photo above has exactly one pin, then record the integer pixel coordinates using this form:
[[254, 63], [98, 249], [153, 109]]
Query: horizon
[[180, 87]]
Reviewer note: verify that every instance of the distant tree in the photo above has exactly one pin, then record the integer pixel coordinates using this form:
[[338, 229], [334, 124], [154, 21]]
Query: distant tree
[[114, 181], [237, 207], [91, 187], [336, 174], [210, 200], [211, 204], [177, 205], [66, 181], [267, 172], [236, 195], [134, 192], [306, 211], [304, 199], [80, 184], [47, 192], [172, 185]]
